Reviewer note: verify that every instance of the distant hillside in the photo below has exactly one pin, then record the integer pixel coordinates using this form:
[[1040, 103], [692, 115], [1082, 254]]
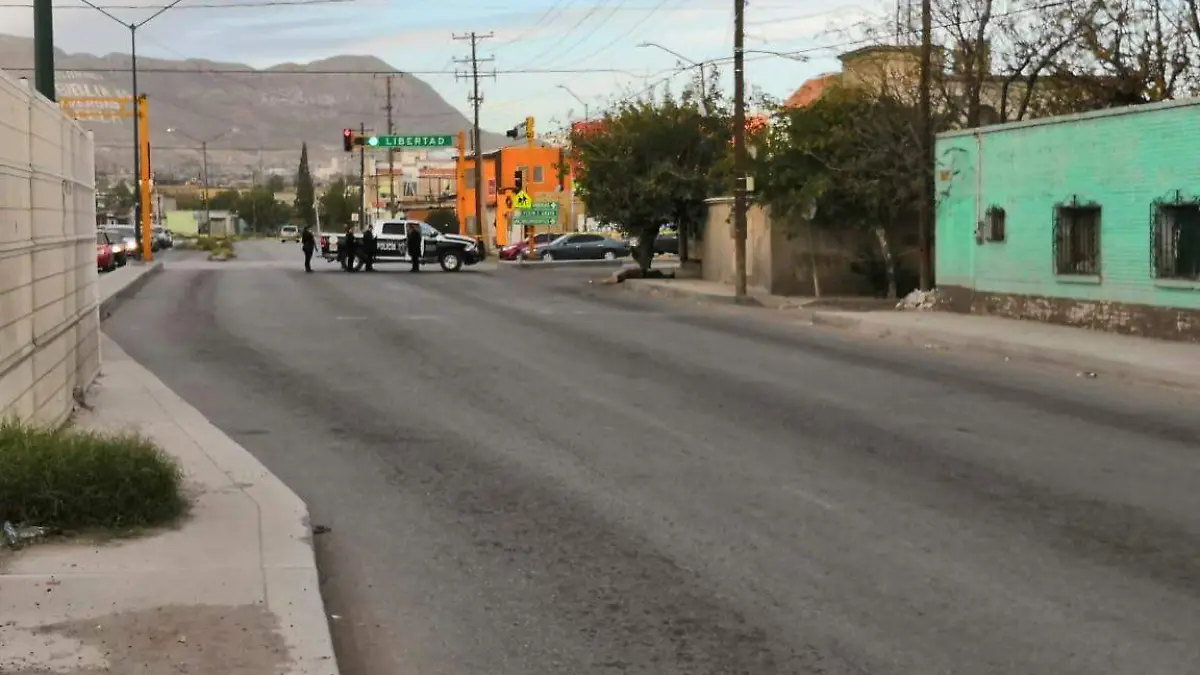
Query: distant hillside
[[276, 112]]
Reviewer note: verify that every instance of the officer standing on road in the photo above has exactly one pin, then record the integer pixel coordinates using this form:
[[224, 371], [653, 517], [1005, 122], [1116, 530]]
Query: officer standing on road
[[368, 248], [309, 244], [413, 241], [347, 250]]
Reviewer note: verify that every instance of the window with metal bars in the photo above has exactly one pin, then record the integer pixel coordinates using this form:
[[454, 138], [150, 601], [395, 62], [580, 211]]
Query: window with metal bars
[[994, 220], [1077, 240], [1175, 241]]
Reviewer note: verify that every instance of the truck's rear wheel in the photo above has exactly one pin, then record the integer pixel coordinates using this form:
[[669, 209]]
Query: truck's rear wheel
[[450, 261]]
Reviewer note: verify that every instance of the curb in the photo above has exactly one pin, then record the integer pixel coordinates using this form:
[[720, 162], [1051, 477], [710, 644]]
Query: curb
[[290, 575], [1033, 353], [112, 302], [539, 265], [756, 300]]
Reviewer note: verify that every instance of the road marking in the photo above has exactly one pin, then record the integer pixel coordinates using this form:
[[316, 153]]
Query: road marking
[[810, 497], [351, 318]]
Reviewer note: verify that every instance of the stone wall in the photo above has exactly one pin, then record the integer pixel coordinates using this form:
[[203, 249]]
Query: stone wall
[[49, 319]]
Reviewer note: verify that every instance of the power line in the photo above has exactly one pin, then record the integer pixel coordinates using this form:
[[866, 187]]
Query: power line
[[626, 34], [219, 5], [476, 101]]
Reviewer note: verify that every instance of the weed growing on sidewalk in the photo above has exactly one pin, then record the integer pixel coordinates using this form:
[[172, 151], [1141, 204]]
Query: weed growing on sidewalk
[[72, 480]]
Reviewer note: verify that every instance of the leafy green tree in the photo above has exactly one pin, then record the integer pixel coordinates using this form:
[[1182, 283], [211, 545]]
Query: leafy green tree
[[225, 200], [305, 191], [262, 211], [848, 160], [444, 220], [275, 183], [337, 205], [120, 197], [653, 161]]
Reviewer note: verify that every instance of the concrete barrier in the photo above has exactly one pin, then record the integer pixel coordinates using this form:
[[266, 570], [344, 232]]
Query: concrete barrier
[[49, 318], [126, 287]]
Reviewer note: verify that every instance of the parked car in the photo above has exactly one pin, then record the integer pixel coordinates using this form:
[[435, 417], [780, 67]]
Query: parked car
[[289, 233], [106, 257], [123, 236], [584, 246], [516, 250], [163, 237], [664, 244]]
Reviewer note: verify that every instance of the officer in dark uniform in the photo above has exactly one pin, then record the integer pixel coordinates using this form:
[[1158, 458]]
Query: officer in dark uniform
[[309, 244], [347, 250], [368, 248], [413, 240]]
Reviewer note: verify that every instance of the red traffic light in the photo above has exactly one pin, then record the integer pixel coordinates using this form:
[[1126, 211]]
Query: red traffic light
[[348, 139]]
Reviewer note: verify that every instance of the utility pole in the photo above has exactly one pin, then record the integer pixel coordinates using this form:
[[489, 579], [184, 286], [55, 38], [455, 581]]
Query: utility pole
[[204, 178], [43, 48], [925, 212], [476, 100], [739, 148], [391, 151], [362, 180]]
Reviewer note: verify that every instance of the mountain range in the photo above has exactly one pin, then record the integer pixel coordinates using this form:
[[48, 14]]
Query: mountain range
[[275, 109]]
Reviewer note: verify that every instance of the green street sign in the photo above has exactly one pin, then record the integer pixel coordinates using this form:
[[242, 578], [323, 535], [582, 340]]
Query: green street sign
[[408, 141], [541, 213]]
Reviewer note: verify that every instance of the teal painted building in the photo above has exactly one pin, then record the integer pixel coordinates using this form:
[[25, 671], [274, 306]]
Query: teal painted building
[[1090, 220]]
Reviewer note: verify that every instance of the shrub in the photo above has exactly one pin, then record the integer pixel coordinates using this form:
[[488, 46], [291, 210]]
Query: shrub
[[71, 479]]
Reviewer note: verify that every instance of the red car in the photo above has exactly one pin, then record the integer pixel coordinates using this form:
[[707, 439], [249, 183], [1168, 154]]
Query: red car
[[106, 260], [516, 251]]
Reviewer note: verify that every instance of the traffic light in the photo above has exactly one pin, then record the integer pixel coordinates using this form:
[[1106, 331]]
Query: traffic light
[[514, 133], [519, 180], [348, 139], [529, 128]]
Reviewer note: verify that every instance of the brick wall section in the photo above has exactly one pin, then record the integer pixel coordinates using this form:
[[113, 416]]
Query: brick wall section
[[49, 321], [1123, 160]]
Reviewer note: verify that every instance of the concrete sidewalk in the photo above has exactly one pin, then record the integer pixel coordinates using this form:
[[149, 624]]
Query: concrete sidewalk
[[1175, 364], [234, 590]]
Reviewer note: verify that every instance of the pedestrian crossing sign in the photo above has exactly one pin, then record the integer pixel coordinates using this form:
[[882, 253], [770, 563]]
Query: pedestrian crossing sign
[[522, 201]]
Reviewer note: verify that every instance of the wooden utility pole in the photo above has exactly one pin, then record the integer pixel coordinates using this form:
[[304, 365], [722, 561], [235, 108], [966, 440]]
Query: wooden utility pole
[[739, 148], [482, 228], [925, 212], [362, 180], [391, 129]]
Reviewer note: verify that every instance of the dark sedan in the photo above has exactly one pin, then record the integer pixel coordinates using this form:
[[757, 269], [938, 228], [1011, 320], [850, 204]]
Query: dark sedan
[[583, 246]]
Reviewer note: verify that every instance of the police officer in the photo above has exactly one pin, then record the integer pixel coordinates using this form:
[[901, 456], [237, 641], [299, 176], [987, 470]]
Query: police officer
[[368, 248], [413, 241], [347, 250], [309, 244]]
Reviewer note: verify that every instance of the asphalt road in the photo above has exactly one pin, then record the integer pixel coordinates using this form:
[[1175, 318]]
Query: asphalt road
[[525, 473]]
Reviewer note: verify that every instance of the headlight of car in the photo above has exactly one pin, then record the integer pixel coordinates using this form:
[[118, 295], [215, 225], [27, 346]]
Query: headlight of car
[[115, 248]]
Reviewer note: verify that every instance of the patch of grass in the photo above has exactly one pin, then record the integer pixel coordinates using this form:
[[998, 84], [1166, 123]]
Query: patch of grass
[[72, 480]]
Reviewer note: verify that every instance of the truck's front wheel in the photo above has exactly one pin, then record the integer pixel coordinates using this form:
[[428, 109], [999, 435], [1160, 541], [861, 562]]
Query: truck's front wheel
[[451, 261]]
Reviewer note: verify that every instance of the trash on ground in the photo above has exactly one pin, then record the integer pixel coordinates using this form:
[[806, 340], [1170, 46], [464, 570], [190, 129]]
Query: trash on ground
[[921, 300], [16, 537]]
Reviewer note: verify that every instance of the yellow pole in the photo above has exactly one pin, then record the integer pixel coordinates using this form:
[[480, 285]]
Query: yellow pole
[[143, 121]]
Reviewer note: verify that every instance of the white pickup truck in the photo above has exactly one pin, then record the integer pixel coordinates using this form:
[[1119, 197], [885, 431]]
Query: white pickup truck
[[451, 251]]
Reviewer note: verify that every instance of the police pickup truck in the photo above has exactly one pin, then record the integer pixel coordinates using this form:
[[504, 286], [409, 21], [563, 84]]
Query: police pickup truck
[[451, 251]]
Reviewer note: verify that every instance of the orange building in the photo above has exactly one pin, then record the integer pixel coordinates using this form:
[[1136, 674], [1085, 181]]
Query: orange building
[[543, 180]]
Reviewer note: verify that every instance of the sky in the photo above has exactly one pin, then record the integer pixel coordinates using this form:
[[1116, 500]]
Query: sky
[[598, 41]]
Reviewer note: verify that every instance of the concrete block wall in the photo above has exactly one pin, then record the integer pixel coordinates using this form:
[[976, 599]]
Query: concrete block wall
[[49, 317]]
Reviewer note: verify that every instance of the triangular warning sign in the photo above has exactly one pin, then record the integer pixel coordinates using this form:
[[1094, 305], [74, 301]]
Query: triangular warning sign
[[522, 201]]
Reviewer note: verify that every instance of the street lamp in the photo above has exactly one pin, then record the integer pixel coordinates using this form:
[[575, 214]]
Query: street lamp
[[701, 64], [137, 108], [586, 117], [204, 166], [681, 57]]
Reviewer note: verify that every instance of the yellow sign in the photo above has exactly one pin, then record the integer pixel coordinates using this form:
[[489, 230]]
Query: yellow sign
[[522, 201]]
